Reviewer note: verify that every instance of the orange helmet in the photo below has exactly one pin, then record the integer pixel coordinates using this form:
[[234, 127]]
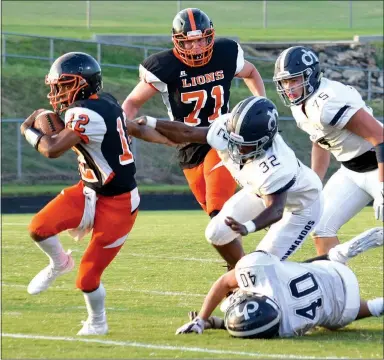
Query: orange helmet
[[193, 24]]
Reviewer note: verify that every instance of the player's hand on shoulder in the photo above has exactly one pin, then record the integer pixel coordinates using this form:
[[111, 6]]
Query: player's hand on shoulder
[[194, 326]]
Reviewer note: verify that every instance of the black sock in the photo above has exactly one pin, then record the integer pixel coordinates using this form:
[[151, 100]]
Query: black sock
[[321, 257]]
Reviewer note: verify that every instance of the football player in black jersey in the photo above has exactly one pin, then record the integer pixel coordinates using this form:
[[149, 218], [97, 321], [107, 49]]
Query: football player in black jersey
[[194, 80], [106, 200]]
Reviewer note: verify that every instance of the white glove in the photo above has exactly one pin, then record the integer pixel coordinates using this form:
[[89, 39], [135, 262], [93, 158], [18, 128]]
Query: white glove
[[378, 206], [196, 326]]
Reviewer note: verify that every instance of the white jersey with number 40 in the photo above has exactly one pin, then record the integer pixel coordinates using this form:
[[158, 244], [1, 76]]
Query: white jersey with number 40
[[322, 293]]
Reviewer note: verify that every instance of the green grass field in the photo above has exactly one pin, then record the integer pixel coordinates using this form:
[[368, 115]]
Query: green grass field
[[162, 272], [290, 20]]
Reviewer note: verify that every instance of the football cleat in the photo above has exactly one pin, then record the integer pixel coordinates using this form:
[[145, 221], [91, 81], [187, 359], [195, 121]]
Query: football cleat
[[93, 328], [369, 239], [44, 279]]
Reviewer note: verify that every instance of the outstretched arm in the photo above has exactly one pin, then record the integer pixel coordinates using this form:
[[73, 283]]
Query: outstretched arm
[[175, 131], [219, 289], [147, 133]]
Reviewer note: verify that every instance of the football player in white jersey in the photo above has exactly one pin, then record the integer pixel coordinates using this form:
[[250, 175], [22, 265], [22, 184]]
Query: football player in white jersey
[[338, 122], [285, 299], [278, 191]]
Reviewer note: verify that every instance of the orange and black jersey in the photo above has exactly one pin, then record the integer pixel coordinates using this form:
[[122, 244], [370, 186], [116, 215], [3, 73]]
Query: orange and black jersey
[[106, 162], [194, 95]]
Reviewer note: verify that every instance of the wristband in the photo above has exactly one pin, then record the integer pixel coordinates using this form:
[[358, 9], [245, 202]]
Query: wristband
[[379, 148], [250, 225], [151, 121], [33, 136]]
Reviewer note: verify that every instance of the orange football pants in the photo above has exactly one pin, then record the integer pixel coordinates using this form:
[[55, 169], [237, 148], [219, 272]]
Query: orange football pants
[[210, 182], [113, 222]]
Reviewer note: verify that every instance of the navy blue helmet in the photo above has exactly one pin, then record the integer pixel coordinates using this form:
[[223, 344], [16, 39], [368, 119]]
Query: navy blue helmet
[[297, 62], [252, 126], [253, 316]]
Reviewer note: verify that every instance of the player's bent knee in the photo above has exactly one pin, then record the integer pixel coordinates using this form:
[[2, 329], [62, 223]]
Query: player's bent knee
[[38, 231], [218, 233], [88, 282]]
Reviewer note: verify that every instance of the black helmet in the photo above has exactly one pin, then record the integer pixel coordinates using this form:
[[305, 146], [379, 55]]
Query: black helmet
[[73, 76], [252, 123], [297, 61], [253, 316], [192, 24]]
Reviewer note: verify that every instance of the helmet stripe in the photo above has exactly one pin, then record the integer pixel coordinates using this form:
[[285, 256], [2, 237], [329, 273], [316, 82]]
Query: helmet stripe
[[282, 58], [242, 111], [191, 19]]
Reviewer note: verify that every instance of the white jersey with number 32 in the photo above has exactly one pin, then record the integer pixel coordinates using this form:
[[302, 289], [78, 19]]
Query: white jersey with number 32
[[278, 170]]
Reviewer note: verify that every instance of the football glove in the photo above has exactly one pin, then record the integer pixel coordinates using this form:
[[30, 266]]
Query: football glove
[[213, 322], [194, 326]]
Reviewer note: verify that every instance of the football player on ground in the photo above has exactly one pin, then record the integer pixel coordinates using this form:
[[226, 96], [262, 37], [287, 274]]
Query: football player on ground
[[194, 80], [285, 299], [105, 200], [338, 122], [279, 191]]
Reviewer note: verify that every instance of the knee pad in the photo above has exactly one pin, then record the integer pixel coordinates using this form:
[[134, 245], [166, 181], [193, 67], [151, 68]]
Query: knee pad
[[218, 233]]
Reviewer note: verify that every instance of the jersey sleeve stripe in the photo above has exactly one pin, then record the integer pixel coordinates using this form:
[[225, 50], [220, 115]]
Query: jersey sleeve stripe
[[286, 187], [338, 115]]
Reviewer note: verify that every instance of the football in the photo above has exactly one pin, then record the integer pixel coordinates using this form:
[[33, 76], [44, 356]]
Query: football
[[48, 122]]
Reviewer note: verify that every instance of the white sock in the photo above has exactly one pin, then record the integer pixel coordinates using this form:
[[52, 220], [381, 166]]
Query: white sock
[[376, 306], [54, 250], [95, 304]]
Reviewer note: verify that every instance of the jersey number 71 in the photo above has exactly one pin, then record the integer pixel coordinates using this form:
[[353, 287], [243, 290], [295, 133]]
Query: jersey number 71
[[200, 97]]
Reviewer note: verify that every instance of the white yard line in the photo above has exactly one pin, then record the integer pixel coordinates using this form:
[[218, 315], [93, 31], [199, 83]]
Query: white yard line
[[162, 347], [152, 292]]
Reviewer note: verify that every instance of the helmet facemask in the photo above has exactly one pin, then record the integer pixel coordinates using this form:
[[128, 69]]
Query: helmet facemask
[[64, 90], [190, 57], [305, 84], [236, 142]]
